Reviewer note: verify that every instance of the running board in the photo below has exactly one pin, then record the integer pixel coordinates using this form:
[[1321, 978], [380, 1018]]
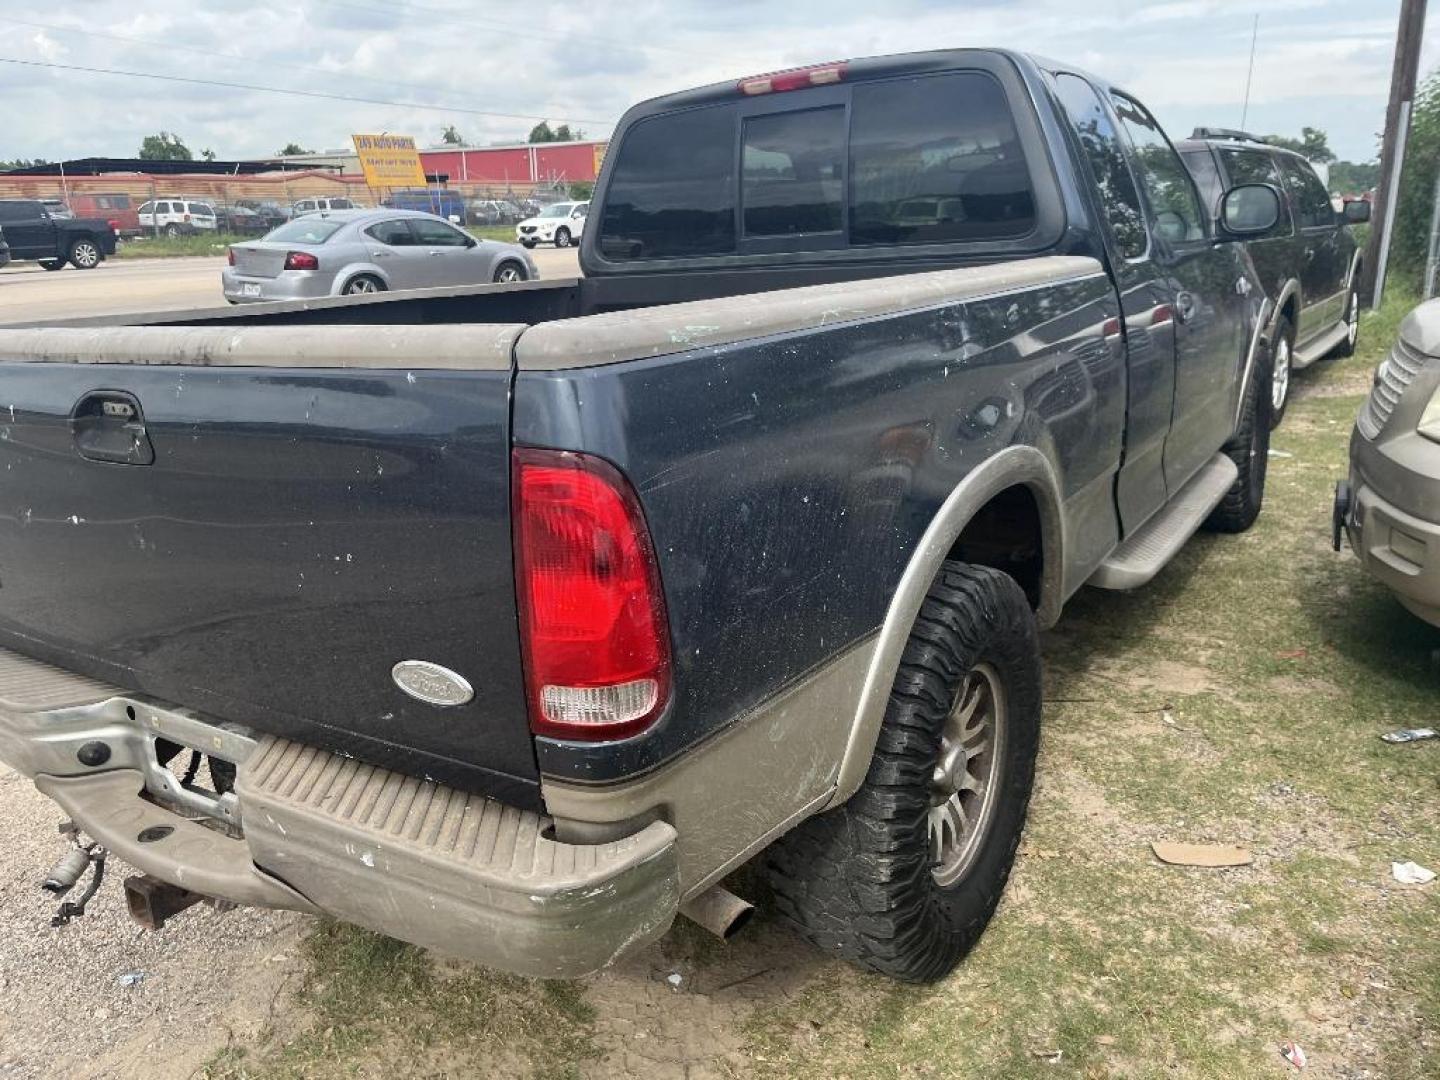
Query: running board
[[1148, 549], [1320, 347]]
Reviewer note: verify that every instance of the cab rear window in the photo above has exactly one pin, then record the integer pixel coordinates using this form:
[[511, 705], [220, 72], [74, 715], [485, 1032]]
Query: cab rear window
[[920, 160]]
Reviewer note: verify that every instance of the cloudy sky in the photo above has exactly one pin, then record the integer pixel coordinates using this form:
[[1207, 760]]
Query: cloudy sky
[[1323, 63]]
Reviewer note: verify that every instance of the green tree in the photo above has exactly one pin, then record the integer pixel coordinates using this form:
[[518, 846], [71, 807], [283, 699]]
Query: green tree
[[1353, 178], [1313, 144], [207, 154], [582, 189], [541, 133], [290, 149], [21, 163], [1411, 233], [451, 137], [164, 147]]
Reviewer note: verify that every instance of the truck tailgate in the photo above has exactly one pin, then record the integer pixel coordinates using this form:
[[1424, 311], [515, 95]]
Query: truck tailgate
[[281, 516]]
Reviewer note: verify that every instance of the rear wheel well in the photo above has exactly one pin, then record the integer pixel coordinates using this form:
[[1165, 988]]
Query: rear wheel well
[[1006, 533]]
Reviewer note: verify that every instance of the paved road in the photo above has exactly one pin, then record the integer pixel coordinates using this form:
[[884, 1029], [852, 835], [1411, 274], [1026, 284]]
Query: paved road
[[28, 293]]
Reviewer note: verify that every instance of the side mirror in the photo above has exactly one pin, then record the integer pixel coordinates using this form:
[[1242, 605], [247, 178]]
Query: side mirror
[[471, 242], [1357, 212], [1250, 209]]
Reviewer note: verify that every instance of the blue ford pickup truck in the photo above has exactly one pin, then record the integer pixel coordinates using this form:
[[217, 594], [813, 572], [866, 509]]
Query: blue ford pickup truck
[[509, 620]]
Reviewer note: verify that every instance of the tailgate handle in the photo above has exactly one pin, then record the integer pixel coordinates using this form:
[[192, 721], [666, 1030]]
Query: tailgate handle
[[107, 425]]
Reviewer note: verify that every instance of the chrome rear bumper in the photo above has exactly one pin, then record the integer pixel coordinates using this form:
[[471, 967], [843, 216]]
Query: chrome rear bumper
[[309, 830]]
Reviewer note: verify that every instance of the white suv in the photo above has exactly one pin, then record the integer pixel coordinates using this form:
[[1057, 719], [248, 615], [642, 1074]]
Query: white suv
[[177, 217], [315, 206], [561, 223]]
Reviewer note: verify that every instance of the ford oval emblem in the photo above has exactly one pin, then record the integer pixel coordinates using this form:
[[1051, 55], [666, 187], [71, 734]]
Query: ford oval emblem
[[431, 683]]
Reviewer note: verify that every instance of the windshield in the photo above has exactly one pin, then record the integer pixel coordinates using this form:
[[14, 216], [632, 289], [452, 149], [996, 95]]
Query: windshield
[[309, 230], [558, 210]]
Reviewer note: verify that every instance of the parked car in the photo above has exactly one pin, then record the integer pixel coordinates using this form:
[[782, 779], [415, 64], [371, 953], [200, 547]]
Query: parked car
[[315, 206], [240, 221], [560, 224], [58, 209], [557, 603], [1389, 506], [33, 234], [366, 251], [491, 212], [177, 217], [4, 250], [273, 213], [115, 207], [1308, 265], [438, 201]]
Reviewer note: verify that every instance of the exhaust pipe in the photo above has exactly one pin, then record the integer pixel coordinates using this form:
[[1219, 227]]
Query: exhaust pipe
[[718, 910]]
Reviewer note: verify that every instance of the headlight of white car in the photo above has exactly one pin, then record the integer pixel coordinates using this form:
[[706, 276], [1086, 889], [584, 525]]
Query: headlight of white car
[[1429, 425]]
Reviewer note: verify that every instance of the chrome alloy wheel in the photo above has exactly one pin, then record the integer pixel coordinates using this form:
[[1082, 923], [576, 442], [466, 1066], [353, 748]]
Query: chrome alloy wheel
[[1280, 377], [965, 784]]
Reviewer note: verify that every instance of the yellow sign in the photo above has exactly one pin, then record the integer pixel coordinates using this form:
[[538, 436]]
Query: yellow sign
[[599, 151], [389, 161]]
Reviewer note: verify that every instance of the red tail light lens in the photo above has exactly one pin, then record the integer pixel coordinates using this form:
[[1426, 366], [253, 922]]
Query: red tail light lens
[[592, 617], [230, 256], [114, 227], [301, 260]]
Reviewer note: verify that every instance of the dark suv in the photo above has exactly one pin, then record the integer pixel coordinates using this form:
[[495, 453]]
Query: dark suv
[[1308, 263]]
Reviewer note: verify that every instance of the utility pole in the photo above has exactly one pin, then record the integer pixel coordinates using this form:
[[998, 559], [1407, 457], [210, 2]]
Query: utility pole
[[1392, 153]]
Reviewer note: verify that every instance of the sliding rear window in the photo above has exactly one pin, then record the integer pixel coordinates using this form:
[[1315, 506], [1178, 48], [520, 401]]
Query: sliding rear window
[[930, 159], [936, 160]]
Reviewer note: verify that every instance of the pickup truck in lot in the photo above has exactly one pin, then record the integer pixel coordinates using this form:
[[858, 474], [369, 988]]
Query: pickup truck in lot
[[35, 234], [509, 620], [1308, 263]]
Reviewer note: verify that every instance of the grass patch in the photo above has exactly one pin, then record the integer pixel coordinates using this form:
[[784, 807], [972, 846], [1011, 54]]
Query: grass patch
[[504, 233], [170, 247]]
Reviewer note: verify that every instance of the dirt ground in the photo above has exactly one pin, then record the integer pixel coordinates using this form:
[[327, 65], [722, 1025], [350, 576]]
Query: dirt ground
[[1236, 700]]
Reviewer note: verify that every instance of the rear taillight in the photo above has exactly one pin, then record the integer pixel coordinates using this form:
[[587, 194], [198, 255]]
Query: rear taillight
[[114, 227], [230, 256], [794, 79], [301, 260], [592, 617]]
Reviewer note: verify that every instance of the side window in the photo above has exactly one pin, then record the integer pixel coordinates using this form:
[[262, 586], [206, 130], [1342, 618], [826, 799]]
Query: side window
[[672, 193], [146, 208], [1174, 205], [1257, 167], [792, 172], [436, 233], [1312, 201], [11, 212], [1106, 159], [395, 233]]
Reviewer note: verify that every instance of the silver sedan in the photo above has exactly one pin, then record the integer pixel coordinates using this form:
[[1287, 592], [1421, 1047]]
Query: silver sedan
[[344, 252]]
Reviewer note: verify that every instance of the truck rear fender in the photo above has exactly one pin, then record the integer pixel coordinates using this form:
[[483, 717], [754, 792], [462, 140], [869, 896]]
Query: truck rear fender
[[998, 487]]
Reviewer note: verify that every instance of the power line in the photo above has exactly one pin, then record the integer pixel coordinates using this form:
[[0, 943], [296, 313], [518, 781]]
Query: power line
[[175, 47], [294, 93]]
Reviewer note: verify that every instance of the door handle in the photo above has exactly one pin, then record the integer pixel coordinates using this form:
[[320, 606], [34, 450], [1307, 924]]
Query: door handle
[[1184, 306], [434, 253], [381, 254], [107, 425]]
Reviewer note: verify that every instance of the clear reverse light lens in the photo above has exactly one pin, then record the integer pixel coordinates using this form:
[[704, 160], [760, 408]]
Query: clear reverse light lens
[[588, 706]]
